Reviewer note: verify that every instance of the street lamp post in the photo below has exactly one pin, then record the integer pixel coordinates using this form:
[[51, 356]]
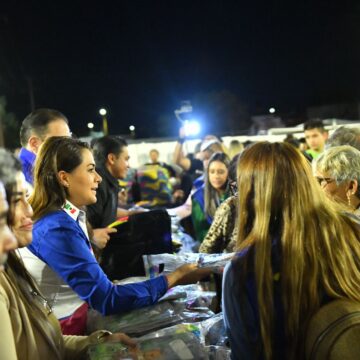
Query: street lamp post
[[103, 113], [132, 131]]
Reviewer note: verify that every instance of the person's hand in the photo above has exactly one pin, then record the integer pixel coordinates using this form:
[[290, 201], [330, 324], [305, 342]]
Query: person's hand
[[102, 236], [120, 337], [143, 203], [128, 212], [187, 274], [178, 195], [122, 198], [182, 133]]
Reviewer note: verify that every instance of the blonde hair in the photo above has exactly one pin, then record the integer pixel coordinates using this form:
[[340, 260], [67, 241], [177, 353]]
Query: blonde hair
[[235, 148], [319, 245]]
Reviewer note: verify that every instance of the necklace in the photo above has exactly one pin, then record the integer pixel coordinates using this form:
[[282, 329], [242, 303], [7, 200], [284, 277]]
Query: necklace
[[45, 303]]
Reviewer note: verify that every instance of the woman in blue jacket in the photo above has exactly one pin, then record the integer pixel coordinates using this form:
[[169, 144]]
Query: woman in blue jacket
[[65, 181], [296, 251]]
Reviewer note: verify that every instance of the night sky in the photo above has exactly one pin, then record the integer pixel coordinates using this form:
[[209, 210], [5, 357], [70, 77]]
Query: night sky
[[139, 59]]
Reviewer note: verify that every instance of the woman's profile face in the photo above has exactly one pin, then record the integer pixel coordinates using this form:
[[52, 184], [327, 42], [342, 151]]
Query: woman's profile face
[[21, 212], [218, 174], [83, 181], [7, 239], [332, 190]]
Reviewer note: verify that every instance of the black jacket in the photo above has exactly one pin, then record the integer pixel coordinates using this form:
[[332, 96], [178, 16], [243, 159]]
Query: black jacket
[[103, 212]]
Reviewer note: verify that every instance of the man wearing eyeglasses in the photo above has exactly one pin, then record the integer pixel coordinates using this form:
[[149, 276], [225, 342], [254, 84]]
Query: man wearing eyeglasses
[[35, 129]]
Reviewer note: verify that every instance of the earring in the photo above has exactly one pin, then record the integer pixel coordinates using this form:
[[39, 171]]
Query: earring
[[348, 195]]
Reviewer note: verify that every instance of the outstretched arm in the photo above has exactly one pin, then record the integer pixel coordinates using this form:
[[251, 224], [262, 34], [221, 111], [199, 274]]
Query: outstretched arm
[[178, 157]]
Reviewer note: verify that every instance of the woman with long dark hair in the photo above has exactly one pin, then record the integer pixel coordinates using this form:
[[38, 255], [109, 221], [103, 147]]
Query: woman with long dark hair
[[222, 234], [211, 194], [28, 327], [296, 250], [65, 181]]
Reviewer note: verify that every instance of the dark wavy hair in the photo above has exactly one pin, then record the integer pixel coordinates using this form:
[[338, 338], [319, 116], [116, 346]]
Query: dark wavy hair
[[212, 200], [10, 165]]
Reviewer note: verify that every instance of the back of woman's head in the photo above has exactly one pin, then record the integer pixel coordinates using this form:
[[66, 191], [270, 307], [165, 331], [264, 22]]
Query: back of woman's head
[[235, 148], [275, 182], [56, 154], [280, 201]]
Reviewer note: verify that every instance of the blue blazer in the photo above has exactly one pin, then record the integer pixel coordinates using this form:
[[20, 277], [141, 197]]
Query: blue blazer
[[59, 241]]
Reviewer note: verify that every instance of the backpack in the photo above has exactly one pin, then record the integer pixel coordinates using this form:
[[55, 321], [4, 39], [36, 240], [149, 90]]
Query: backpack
[[334, 332]]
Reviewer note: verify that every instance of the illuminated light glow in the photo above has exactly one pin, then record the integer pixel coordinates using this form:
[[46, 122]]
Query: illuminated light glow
[[102, 112], [191, 127], [272, 110], [131, 127], [90, 125]]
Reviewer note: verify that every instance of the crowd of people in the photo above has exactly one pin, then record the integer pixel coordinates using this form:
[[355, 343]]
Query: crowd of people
[[290, 215]]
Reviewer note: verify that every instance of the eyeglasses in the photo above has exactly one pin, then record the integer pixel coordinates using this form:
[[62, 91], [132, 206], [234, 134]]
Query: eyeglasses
[[324, 181]]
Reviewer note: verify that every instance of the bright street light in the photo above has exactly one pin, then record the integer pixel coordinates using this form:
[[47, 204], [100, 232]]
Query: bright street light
[[272, 110], [90, 125], [102, 112], [132, 128]]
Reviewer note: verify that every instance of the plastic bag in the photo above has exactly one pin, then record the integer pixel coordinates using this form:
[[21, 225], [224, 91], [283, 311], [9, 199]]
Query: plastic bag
[[196, 329], [142, 321], [177, 342], [213, 330], [180, 342], [183, 346], [108, 351], [218, 352], [199, 299], [214, 261], [171, 262], [186, 242], [194, 294]]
